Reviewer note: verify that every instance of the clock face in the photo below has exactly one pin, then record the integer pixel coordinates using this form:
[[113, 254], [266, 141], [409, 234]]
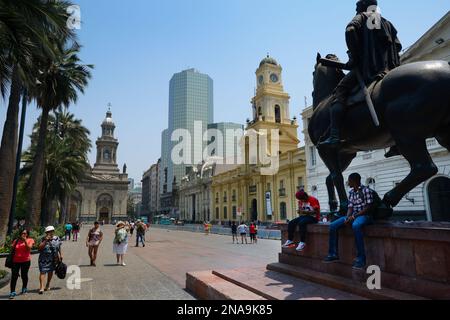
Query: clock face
[[274, 78], [261, 79]]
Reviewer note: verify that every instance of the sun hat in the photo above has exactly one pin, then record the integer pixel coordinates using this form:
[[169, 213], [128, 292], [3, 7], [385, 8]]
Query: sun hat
[[49, 229], [120, 223]]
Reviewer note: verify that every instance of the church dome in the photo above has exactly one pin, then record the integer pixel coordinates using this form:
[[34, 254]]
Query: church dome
[[108, 120], [268, 60]]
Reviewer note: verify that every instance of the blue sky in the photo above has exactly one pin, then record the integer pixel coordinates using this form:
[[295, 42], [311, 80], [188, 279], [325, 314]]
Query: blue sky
[[137, 45]]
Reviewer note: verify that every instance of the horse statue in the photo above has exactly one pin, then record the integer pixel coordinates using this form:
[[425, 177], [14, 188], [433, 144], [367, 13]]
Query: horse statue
[[413, 104]]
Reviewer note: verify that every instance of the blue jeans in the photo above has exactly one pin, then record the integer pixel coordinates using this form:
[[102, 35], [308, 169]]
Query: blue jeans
[[140, 239], [357, 226]]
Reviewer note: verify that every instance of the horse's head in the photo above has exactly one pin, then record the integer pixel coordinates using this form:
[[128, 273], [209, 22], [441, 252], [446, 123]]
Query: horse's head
[[325, 79]]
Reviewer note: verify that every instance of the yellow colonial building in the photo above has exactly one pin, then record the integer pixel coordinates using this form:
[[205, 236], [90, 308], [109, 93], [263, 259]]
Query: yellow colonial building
[[251, 191]]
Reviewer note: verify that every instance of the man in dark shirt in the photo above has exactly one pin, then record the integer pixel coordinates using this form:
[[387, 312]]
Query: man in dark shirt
[[360, 201], [234, 232]]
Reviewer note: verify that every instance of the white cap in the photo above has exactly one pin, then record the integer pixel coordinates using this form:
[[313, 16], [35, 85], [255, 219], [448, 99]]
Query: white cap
[[49, 228]]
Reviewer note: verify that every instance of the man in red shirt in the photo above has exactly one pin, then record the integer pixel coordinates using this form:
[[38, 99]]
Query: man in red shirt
[[309, 213]]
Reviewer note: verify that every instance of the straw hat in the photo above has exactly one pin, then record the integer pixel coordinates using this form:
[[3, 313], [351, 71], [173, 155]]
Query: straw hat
[[120, 223]]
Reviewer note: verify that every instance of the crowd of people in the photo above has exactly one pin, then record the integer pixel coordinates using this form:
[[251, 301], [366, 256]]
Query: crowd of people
[[361, 202], [50, 250]]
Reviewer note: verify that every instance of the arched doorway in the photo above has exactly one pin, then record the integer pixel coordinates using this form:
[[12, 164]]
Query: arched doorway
[[105, 208], [438, 191], [254, 210]]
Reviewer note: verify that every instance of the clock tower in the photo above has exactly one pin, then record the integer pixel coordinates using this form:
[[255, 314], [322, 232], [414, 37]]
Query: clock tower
[[106, 162], [271, 105]]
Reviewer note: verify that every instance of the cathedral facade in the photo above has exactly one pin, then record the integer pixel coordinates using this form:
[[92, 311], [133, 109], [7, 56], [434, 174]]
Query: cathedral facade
[[103, 192]]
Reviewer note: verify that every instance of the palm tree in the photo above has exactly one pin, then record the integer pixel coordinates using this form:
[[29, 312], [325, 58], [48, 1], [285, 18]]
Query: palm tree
[[24, 29], [60, 81], [67, 146]]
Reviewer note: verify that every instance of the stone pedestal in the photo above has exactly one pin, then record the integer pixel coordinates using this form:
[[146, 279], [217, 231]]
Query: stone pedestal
[[413, 258]]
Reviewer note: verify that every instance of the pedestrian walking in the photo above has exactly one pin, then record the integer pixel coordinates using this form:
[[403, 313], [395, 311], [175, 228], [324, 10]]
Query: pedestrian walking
[[132, 226], [207, 227], [68, 231], [234, 232], [243, 230], [253, 233], [93, 241], [49, 255], [75, 231], [120, 245], [21, 249], [140, 233]]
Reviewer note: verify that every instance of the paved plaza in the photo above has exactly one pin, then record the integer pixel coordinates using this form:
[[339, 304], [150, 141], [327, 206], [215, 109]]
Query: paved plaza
[[156, 272]]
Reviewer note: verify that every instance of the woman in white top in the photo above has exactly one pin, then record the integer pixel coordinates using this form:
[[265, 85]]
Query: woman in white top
[[120, 244]]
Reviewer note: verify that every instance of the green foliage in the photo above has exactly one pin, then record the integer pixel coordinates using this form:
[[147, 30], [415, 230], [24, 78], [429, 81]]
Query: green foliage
[[3, 274], [66, 159]]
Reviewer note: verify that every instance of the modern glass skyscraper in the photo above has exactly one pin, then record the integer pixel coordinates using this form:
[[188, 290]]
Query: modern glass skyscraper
[[190, 101]]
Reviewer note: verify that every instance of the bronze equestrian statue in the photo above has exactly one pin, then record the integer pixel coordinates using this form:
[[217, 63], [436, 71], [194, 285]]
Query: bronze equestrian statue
[[412, 103]]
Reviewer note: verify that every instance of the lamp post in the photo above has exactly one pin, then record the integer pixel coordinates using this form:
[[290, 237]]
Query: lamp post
[[18, 160]]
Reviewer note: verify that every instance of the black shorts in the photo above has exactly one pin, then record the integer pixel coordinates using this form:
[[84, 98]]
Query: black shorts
[[243, 234]]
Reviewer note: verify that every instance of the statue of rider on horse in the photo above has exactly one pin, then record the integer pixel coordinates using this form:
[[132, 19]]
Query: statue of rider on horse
[[379, 104]]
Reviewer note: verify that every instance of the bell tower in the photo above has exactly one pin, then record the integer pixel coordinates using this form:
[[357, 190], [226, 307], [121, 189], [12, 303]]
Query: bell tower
[[106, 162], [271, 105]]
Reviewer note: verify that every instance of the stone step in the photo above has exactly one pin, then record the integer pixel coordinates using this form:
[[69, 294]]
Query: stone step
[[415, 286], [278, 286], [204, 285], [341, 283]]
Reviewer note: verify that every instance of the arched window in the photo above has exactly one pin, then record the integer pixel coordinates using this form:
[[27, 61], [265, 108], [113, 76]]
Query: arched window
[[277, 114], [259, 111], [283, 215]]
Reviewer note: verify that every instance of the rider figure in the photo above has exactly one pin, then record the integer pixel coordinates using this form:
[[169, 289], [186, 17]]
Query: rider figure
[[373, 50]]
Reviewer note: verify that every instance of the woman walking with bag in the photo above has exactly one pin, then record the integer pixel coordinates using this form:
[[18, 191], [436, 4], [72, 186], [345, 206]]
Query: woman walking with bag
[[50, 255], [21, 262], [120, 244]]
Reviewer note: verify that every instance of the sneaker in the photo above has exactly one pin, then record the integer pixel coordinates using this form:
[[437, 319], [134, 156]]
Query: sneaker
[[357, 265], [24, 291], [331, 259], [123, 264], [12, 295], [301, 247], [288, 244]]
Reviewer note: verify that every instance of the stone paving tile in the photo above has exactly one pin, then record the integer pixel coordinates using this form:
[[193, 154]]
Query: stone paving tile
[[177, 252], [136, 281]]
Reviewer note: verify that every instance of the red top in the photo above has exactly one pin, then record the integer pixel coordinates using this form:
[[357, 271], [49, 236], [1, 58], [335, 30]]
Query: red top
[[252, 229], [312, 204], [22, 253]]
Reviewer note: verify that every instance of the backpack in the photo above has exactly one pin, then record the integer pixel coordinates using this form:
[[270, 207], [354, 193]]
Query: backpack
[[378, 209]]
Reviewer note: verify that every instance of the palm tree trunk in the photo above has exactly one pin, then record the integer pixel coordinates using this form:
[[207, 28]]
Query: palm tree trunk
[[37, 174], [8, 152]]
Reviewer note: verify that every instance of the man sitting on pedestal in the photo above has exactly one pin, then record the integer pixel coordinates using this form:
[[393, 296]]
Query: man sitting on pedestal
[[360, 202]]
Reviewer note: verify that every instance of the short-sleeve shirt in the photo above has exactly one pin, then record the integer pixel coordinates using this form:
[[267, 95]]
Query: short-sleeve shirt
[[252, 229], [68, 227], [312, 205], [52, 245], [242, 229], [22, 253], [360, 199], [233, 228]]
